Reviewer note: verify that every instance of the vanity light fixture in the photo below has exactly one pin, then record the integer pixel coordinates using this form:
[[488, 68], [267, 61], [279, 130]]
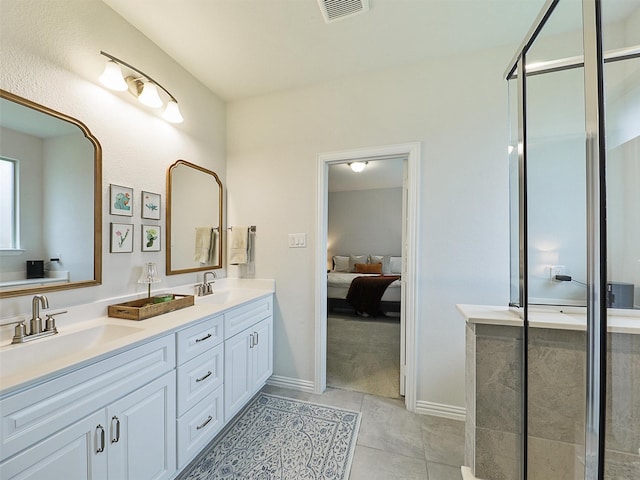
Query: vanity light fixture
[[140, 85], [149, 275], [357, 166]]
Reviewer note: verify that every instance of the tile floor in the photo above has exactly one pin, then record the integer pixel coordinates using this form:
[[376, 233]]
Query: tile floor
[[394, 444]]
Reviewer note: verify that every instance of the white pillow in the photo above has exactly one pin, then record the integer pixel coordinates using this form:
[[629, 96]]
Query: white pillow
[[383, 259], [340, 264], [353, 259], [395, 265]]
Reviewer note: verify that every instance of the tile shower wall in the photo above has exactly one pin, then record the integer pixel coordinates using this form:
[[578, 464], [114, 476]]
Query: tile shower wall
[[494, 373], [556, 403]]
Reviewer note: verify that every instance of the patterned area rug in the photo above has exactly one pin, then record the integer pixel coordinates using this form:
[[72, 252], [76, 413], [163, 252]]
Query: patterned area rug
[[277, 438]]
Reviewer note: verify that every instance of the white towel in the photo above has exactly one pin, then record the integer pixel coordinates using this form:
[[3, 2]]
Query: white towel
[[213, 251], [202, 252], [239, 245]]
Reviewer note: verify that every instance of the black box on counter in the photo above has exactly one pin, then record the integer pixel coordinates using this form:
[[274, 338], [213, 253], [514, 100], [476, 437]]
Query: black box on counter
[[35, 268]]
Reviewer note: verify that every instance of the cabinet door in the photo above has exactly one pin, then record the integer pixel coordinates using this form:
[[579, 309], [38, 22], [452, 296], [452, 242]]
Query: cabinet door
[[70, 454], [262, 352], [142, 432], [238, 384]]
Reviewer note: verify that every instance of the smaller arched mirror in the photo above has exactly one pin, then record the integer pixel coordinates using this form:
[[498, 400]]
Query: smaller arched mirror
[[194, 219]]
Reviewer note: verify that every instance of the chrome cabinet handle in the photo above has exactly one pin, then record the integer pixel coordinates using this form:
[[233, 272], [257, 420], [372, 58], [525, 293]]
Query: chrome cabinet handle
[[206, 337], [257, 337], [204, 424], [251, 340], [101, 448], [208, 374], [117, 437]]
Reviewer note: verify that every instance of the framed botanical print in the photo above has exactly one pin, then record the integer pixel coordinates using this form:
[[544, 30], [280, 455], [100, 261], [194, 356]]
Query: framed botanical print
[[121, 238], [120, 200], [150, 238], [150, 205]]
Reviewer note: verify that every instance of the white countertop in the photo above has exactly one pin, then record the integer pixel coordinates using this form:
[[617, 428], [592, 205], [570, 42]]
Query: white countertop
[[560, 318], [24, 365]]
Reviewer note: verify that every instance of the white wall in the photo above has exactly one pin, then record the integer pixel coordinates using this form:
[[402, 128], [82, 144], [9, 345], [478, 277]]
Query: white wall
[[365, 222], [68, 217], [28, 151], [50, 53], [457, 109]]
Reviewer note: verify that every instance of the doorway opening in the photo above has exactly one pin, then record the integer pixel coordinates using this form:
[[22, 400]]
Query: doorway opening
[[405, 261], [364, 266]]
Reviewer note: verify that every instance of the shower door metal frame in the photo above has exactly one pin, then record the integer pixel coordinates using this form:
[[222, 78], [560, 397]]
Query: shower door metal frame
[[596, 240], [593, 62]]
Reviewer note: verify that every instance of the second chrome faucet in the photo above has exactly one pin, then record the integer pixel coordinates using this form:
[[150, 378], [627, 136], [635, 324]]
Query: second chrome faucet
[[206, 288]]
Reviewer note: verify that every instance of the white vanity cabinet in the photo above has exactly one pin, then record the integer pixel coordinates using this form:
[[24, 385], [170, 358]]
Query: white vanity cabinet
[[248, 352], [114, 419], [139, 412], [70, 454], [200, 358]]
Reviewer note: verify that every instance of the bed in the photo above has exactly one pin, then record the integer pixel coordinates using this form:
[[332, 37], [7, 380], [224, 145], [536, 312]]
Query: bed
[[340, 281]]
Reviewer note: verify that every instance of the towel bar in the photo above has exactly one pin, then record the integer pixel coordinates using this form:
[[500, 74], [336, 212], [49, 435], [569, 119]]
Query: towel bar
[[252, 228]]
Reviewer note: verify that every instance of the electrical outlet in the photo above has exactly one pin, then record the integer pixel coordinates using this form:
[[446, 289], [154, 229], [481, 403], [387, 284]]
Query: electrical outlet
[[557, 270]]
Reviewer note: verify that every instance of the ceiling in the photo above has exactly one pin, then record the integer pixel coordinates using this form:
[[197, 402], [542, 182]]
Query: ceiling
[[386, 173], [244, 48]]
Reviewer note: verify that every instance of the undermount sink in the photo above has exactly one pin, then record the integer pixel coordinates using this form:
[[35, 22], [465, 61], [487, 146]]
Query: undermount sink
[[225, 296], [21, 357], [216, 297]]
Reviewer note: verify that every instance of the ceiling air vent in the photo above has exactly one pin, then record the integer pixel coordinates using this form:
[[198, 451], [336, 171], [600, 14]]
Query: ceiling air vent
[[333, 10]]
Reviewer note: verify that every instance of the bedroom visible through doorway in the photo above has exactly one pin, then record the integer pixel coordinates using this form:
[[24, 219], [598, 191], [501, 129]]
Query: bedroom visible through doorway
[[364, 266], [409, 310]]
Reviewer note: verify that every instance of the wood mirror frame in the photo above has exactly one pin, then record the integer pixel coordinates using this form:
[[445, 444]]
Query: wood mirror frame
[[195, 203]]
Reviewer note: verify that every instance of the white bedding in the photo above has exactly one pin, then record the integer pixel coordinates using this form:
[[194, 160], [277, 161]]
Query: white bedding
[[338, 286]]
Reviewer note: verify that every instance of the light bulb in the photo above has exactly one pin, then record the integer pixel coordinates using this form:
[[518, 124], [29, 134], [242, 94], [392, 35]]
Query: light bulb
[[358, 166], [149, 95], [172, 113], [112, 77]]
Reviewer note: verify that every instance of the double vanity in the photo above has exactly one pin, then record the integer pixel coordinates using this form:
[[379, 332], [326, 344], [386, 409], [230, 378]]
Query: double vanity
[[116, 399]]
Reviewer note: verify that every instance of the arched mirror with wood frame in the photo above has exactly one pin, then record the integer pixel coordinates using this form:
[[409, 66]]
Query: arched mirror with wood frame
[[194, 219], [50, 200]]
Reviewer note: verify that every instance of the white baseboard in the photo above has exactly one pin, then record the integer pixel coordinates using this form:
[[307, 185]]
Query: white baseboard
[[467, 474], [441, 410], [292, 383]]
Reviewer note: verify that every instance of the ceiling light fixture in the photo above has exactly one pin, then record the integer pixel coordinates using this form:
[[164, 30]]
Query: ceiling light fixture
[[140, 85], [357, 166]]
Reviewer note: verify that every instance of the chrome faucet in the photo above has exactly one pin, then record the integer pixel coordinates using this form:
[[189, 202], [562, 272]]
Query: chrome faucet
[[206, 288], [35, 324]]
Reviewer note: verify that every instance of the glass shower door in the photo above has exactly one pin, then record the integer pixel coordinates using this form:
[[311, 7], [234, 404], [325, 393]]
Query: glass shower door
[[557, 247], [622, 104], [577, 275]]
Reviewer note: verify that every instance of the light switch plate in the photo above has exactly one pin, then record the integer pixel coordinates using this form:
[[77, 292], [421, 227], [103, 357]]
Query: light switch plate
[[297, 240]]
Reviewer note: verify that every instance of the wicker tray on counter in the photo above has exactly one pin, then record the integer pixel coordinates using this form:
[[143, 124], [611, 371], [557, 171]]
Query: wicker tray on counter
[[146, 308]]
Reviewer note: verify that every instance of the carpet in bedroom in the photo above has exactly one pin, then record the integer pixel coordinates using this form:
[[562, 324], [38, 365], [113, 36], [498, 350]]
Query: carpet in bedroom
[[363, 354]]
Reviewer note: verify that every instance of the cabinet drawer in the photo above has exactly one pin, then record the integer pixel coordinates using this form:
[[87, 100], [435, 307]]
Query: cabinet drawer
[[243, 317], [199, 425], [35, 413], [199, 377], [194, 340]]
